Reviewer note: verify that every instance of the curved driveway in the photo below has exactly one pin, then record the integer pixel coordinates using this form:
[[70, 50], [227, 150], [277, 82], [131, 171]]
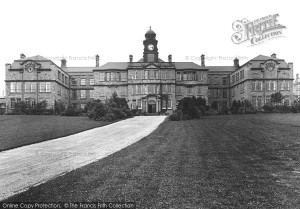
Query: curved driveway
[[31, 165]]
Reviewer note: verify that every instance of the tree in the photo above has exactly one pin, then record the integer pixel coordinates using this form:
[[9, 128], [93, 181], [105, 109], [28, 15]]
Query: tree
[[276, 97]]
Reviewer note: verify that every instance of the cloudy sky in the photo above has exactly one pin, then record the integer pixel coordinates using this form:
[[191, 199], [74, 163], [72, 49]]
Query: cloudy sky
[[78, 30]]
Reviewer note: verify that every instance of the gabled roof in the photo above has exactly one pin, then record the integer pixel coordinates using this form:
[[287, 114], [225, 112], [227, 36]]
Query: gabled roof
[[142, 60], [188, 65], [113, 66], [78, 69], [36, 58], [257, 61], [263, 58], [221, 68]]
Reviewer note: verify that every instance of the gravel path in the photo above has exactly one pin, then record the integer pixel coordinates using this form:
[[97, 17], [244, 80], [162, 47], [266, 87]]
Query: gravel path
[[28, 166]]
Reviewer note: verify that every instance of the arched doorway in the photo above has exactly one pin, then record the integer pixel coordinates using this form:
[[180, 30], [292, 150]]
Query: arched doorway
[[151, 106]]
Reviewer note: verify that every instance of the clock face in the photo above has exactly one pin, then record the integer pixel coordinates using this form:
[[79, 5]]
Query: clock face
[[150, 47]]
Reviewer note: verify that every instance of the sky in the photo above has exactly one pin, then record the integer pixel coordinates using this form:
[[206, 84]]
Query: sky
[[78, 30]]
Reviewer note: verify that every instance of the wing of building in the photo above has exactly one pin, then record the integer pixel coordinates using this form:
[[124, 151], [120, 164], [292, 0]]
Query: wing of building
[[149, 84]]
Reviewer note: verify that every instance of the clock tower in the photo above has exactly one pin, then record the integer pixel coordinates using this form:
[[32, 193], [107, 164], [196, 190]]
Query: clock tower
[[150, 47]]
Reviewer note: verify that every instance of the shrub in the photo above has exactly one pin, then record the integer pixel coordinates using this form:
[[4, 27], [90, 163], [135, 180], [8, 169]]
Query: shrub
[[296, 106], [192, 106], [97, 112], [109, 117], [176, 116], [59, 107], [71, 111]]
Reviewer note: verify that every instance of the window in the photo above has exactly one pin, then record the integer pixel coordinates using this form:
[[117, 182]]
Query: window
[[178, 76], [151, 74], [163, 74], [123, 90], [82, 94], [272, 86], [259, 101], [216, 93], [82, 81], [253, 86], [258, 86], [268, 86], [27, 87], [74, 94], [242, 75], [254, 101], [101, 76], [123, 76], [139, 89], [185, 77], [92, 94], [151, 89], [189, 91], [225, 93], [133, 104], [237, 76], [12, 102], [178, 90], [164, 104], [199, 90], [169, 103], [13, 87], [133, 89], [74, 81], [59, 75], [168, 89], [233, 78], [286, 86], [107, 76], [33, 86], [66, 80], [42, 87], [63, 78], [48, 87], [27, 102], [92, 81], [139, 104], [112, 76], [224, 81]]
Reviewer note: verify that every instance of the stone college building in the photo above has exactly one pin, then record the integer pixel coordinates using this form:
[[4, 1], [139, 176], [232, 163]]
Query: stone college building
[[149, 84]]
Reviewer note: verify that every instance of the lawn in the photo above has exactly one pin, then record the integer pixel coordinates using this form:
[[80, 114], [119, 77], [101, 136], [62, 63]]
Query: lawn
[[243, 161], [20, 130]]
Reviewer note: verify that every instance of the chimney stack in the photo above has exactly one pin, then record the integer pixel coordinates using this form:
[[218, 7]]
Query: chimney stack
[[170, 58], [236, 62], [22, 56], [97, 60], [273, 55], [63, 63], [203, 60], [130, 58]]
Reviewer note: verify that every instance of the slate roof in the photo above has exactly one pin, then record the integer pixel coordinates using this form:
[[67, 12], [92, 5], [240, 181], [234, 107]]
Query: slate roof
[[113, 66], [221, 68], [188, 65], [36, 58], [79, 69], [257, 61]]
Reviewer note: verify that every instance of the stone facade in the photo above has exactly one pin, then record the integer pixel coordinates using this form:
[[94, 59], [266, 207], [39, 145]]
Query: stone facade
[[150, 84]]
